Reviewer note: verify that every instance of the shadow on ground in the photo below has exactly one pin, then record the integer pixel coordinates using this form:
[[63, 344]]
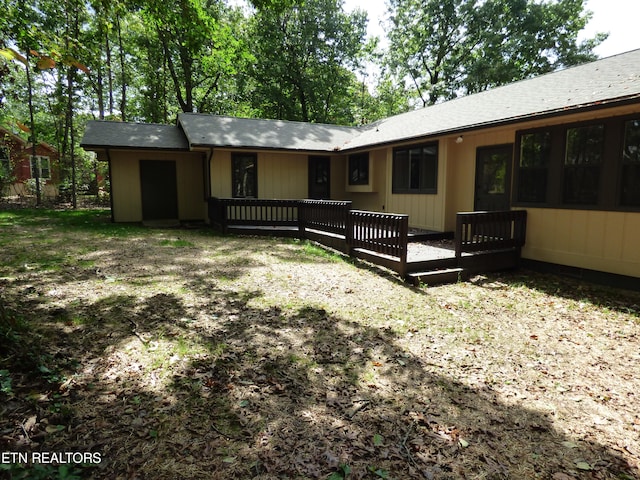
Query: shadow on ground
[[204, 384], [262, 394]]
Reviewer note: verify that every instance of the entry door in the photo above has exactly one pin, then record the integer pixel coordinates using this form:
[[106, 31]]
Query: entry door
[[159, 190], [319, 178], [493, 178]]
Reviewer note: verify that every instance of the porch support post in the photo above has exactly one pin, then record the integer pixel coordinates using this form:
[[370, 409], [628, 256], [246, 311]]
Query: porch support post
[[302, 219]]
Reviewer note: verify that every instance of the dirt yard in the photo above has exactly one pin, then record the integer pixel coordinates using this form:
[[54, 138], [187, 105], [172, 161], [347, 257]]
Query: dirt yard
[[185, 354]]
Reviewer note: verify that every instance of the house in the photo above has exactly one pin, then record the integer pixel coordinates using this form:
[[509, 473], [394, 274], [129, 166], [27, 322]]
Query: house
[[21, 168], [564, 146]]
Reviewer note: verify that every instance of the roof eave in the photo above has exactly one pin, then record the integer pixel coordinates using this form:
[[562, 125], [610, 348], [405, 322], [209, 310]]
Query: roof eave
[[92, 147], [336, 150], [598, 105]]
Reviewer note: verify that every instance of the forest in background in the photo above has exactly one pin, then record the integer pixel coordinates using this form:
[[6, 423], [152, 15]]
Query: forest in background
[[68, 61]]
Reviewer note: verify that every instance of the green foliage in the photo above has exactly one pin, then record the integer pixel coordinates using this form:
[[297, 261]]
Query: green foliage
[[5, 383], [342, 473], [448, 47], [379, 472], [201, 49], [6, 178], [306, 55], [285, 59]]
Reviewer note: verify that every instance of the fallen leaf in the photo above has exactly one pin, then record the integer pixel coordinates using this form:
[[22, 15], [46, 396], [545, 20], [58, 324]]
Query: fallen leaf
[[30, 423], [583, 466], [562, 476]]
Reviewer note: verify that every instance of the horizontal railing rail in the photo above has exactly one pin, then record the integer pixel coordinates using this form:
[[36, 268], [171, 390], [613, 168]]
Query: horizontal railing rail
[[484, 231]]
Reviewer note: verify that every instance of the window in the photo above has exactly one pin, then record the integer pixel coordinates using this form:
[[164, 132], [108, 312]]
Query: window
[[359, 169], [5, 164], [244, 177], [586, 165], [42, 165], [583, 158], [415, 169], [535, 153], [630, 182]]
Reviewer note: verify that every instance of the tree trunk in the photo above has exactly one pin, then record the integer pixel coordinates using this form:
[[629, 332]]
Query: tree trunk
[[123, 100], [72, 158], [36, 170], [109, 72]]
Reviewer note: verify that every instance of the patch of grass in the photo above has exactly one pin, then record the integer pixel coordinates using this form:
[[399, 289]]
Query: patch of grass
[[94, 221], [176, 243], [314, 250]]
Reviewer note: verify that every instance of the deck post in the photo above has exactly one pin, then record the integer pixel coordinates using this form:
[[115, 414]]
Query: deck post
[[302, 219], [348, 234], [404, 245]]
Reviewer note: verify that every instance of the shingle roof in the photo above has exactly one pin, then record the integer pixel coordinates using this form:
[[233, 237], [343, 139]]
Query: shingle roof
[[221, 131], [105, 134], [602, 82]]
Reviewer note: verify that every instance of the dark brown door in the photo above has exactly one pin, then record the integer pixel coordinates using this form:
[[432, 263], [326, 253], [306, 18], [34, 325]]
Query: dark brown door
[[493, 178], [159, 190], [319, 178]]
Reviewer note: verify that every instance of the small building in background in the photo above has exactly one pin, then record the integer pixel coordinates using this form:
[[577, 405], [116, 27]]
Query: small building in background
[[19, 168]]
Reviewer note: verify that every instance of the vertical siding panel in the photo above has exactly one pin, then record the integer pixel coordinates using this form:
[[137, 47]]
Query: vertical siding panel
[[191, 204], [221, 174], [595, 236], [578, 231], [127, 203], [613, 231], [631, 251]]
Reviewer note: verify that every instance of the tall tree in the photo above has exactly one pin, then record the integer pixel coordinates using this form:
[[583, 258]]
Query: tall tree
[[24, 21], [306, 55], [199, 47], [452, 47]]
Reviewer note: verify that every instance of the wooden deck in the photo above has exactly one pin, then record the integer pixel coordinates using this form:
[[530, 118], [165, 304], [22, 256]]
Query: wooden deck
[[483, 241]]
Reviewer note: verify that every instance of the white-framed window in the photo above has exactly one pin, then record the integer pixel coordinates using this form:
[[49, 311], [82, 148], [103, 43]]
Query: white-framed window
[[43, 166]]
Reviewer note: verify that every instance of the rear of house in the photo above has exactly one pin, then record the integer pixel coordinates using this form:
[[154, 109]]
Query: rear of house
[[564, 146]]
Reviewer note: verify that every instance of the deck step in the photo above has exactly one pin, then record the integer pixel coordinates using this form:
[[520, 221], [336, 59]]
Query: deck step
[[437, 277]]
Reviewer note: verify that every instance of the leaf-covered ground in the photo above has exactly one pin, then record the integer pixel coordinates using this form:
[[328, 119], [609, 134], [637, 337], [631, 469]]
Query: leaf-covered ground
[[185, 354]]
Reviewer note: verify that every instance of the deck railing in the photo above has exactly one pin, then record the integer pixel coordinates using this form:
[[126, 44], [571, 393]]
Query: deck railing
[[378, 237], [226, 212], [485, 231], [383, 233], [380, 233], [325, 215]]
